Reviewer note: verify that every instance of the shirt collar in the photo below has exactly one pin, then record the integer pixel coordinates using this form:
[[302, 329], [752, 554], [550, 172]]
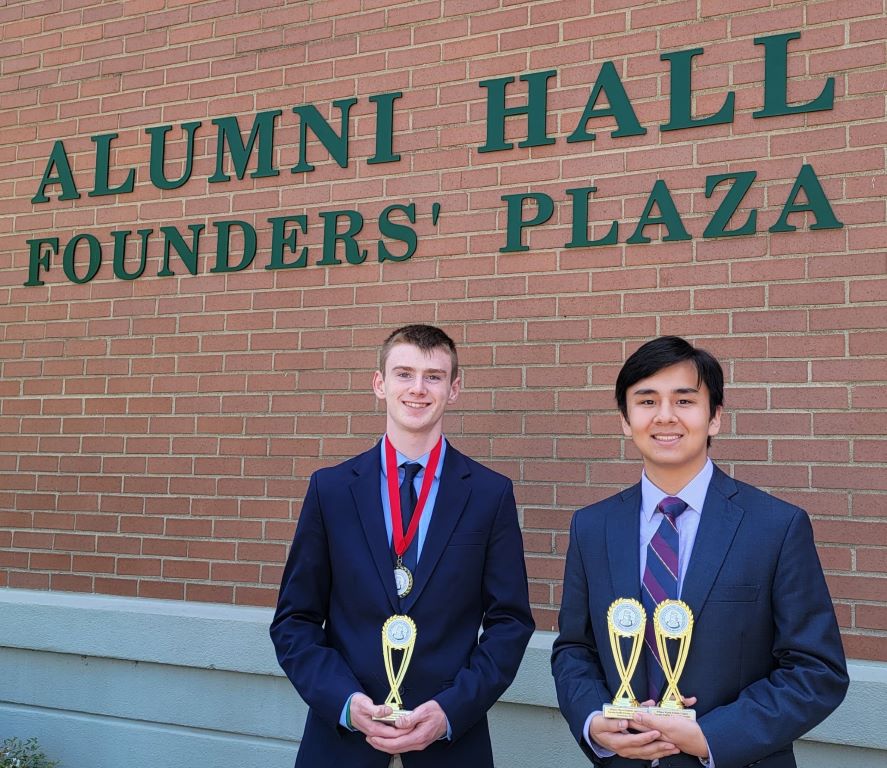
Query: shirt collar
[[423, 460], [693, 493]]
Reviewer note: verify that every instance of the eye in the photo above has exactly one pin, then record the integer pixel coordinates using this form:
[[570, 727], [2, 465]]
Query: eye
[[434, 377]]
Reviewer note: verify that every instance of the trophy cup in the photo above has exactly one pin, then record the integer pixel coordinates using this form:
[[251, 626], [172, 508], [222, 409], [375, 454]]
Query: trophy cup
[[626, 618], [673, 620], [398, 634]]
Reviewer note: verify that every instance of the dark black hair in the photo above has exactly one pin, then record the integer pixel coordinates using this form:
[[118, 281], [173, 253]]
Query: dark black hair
[[426, 338], [652, 357]]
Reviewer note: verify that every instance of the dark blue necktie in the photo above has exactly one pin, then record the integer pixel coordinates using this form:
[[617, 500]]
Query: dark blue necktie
[[660, 583], [408, 499]]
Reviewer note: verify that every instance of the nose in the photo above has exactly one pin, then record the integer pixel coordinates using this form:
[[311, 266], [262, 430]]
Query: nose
[[664, 413], [417, 385]]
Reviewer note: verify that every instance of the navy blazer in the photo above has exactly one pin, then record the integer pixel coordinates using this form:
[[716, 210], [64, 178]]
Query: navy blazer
[[338, 589], [765, 662]]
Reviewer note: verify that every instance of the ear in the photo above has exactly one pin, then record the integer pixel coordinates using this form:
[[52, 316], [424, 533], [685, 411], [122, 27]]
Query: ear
[[714, 426], [626, 427], [455, 388], [379, 385]]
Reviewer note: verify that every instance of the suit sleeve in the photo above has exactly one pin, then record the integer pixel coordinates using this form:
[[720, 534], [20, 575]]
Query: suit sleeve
[[507, 625], [810, 677], [319, 672], [575, 661]]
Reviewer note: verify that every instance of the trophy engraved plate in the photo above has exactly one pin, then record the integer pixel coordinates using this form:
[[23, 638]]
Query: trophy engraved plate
[[626, 618], [673, 620], [398, 634]]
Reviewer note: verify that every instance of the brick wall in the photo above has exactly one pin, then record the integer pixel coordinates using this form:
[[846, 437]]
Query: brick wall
[[158, 433]]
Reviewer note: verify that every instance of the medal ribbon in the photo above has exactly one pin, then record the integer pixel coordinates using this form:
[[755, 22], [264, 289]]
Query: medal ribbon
[[402, 541]]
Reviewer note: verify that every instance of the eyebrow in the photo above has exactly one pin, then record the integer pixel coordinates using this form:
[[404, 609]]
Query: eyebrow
[[425, 371], [678, 391]]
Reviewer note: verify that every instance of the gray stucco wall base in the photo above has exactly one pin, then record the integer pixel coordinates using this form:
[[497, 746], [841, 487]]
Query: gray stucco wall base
[[105, 682]]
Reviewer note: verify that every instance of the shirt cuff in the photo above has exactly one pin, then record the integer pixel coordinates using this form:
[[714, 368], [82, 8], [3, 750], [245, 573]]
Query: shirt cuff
[[709, 762], [344, 718], [595, 747]]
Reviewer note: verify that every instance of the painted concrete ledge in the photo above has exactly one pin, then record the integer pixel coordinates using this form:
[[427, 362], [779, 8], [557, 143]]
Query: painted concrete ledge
[[203, 680]]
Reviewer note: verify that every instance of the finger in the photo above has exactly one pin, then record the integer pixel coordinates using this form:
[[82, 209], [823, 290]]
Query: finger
[[405, 743], [612, 726]]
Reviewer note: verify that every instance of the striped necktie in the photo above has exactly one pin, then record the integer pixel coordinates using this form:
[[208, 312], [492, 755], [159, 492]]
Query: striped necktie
[[660, 583]]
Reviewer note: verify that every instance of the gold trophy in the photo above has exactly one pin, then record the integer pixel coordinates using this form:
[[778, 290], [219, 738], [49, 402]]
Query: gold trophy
[[626, 618], [398, 634], [673, 620]]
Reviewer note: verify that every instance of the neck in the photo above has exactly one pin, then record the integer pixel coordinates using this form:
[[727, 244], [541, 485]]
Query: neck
[[673, 479], [413, 444]]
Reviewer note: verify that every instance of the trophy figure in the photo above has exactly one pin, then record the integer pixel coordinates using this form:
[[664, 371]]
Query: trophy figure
[[625, 619], [398, 634], [673, 620]]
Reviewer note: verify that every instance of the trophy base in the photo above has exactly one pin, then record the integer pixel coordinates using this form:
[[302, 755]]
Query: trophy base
[[394, 715], [690, 714], [617, 711]]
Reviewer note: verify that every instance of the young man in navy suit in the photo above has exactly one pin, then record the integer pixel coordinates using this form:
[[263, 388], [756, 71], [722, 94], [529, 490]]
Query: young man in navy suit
[[453, 565], [765, 661]]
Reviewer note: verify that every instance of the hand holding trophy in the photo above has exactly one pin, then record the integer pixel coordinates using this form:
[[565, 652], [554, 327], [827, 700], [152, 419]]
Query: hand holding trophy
[[625, 619], [673, 620], [398, 634]]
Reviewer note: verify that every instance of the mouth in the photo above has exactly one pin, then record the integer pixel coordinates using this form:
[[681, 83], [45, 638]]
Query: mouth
[[414, 405], [667, 439]]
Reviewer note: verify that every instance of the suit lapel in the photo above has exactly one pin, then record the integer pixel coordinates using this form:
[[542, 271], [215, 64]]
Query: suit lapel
[[623, 553], [717, 528], [366, 491], [452, 497]]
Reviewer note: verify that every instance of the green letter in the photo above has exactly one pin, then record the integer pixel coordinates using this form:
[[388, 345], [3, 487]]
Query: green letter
[[515, 224], [59, 159], [186, 254], [580, 239], [38, 258], [536, 110], [331, 235], [223, 242], [229, 132], [120, 254], [95, 258], [397, 232], [620, 107], [776, 80], [817, 203], [680, 103], [384, 128], [158, 155], [729, 205], [661, 197], [102, 167], [336, 144], [279, 238]]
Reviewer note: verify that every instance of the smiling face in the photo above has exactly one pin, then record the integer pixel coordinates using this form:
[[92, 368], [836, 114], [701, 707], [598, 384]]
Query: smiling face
[[669, 421], [416, 387]]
